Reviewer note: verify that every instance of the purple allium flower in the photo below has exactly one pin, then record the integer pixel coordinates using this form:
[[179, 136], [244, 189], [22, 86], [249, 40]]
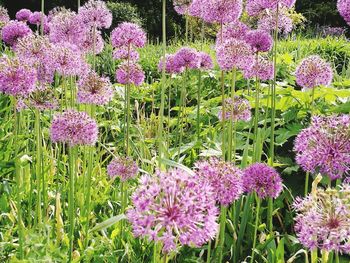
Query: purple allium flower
[[206, 61], [130, 73], [236, 30], [267, 22], [16, 77], [23, 14], [259, 40], [224, 178], [344, 9], [170, 66], [74, 128], [21, 105], [123, 167], [36, 18], [13, 31], [43, 99], [67, 26], [196, 8], [234, 53], [256, 7], [88, 43], [313, 71], [237, 110], [182, 6], [325, 146], [4, 16], [93, 89], [262, 69], [124, 53], [68, 61], [128, 34], [323, 220], [187, 58], [218, 11], [96, 13], [174, 208], [262, 179]]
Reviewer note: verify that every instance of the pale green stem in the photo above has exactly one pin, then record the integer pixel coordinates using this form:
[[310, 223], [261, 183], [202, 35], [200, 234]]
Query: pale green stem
[[222, 232], [71, 209], [314, 256], [199, 104], [38, 168], [231, 121], [209, 252], [256, 225], [307, 178]]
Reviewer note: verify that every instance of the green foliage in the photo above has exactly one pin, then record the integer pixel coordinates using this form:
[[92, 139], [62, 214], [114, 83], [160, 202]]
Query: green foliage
[[124, 12]]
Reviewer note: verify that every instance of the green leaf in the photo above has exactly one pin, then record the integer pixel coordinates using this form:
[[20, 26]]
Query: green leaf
[[108, 223]]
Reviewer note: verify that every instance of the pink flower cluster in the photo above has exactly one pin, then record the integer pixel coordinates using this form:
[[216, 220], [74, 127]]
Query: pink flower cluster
[[93, 89], [74, 128], [174, 208], [344, 9], [263, 180], [14, 30], [224, 178], [323, 220], [237, 110], [262, 69], [125, 39], [186, 58], [123, 167], [313, 71], [325, 146]]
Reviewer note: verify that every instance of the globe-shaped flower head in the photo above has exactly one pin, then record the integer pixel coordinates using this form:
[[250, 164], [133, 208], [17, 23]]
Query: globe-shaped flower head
[[323, 220], [224, 177], [174, 208], [23, 14], [325, 146], [263, 180], [130, 73], [17, 78], [123, 167], [259, 40], [182, 6], [187, 58], [95, 13], [128, 35], [4, 16], [170, 66], [234, 53], [344, 9], [238, 109], [13, 31], [313, 71], [74, 128], [262, 69], [236, 30], [206, 62], [93, 89]]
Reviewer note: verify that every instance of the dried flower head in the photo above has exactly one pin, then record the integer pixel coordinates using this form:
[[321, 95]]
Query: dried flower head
[[174, 208]]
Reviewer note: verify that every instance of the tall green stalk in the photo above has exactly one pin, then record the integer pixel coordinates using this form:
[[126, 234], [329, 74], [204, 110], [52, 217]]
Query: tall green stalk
[[222, 232], [314, 256], [38, 168], [256, 225], [71, 209], [199, 104], [181, 114], [16, 128], [231, 123]]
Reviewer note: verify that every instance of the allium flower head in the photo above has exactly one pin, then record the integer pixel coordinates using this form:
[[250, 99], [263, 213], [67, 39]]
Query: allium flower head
[[43, 99], [344, 9], [234, 53], [219, 11], [36, 18], [323, 220], [262, 179], [16, 77], [4, 16], [13, 31], [224, 178], [74, 128], [196, 8], [23, 14], [267, 22], [124, 53], [187, 58], [206, 61], [182, 6], [33, 48], [174, 208], [123, 167], [256, 7], [67, 26], [236, 30], [259, 40], [237, 110], [128, 34], [96, 13], [325, 146], [313, 71], [93, 89], [262, 69], [170, 66], [130, 73], [88, 43]]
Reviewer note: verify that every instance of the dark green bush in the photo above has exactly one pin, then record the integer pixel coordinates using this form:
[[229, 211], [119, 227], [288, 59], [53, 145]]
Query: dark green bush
[[124, 12]]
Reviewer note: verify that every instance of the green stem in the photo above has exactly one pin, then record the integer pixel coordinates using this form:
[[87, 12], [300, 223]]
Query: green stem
[[17, 118], [337, 260], [187, 22], [314, 256], [209, 252], [256, 225], [231, 123], [72, 171], [307, 178], [222, 232], [38, 168], [223, 148], [270, 216], [181, 113], [256, 118], [273, 93], [199, 104], [325, 256]]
